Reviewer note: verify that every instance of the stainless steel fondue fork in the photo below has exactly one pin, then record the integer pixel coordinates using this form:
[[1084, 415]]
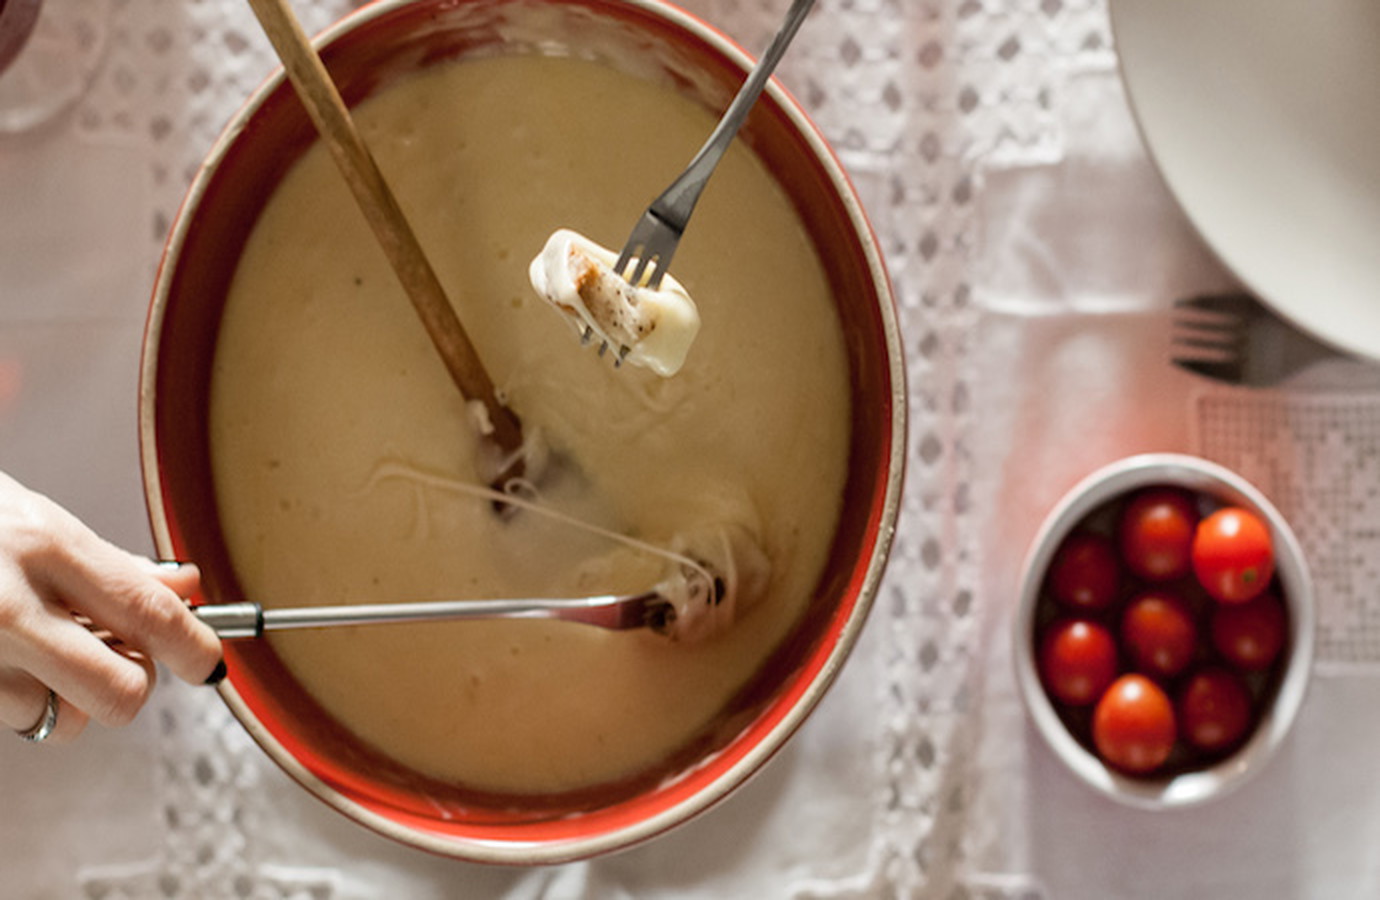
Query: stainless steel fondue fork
[[618, 613]]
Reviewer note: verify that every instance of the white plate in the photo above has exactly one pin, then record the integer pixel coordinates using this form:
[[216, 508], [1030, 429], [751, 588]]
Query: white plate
[[1264, 119]]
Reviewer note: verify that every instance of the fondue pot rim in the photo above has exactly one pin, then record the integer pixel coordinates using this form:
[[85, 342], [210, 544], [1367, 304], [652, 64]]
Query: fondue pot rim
[[806, 687]]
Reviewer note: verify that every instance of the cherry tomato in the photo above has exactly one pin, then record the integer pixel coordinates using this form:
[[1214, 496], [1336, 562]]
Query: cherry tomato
[[1085, 573], [1133, 725], [1077, 661], [1233, 556], [1251, 634], [1156, 533], [1159, 633], [1214, 709]]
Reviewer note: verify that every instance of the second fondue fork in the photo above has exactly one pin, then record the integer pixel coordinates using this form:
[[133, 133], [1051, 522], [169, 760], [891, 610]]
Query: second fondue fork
[[618, 613]]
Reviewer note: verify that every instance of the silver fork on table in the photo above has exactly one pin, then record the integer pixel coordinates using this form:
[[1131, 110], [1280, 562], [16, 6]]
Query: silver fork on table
[[1234, 338], [648, 251]]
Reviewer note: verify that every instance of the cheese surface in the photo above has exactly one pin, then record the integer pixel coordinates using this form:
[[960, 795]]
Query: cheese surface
[[344, 457]]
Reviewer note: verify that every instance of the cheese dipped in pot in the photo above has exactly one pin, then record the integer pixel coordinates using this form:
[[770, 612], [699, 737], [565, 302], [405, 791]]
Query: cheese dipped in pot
[[652, 327]]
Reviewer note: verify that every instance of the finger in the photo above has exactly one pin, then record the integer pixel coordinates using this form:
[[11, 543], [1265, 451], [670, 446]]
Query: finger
[[71, 722], [18, 690], [108, 685], [23, 699], [138, 603], [183, 578]]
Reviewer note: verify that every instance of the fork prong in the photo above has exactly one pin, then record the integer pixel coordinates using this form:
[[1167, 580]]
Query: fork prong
[[658, 615], [1221, 370], [650, 610], [1209, 324], [1236, 304], [1219, 340], [1205, 343], [1236, 338], [654, 279], [633, 261]]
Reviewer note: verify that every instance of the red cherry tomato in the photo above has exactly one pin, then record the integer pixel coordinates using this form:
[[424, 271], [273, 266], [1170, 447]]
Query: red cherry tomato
[[1085, 573], [1133, 725], [1077, 661], [1159, 633], [1214, 709], [1251, 634], [1156, 533], [1233, 556]]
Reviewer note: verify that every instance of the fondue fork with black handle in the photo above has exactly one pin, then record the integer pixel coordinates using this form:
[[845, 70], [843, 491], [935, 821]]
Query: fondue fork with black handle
[[246, 619], [614, 612]]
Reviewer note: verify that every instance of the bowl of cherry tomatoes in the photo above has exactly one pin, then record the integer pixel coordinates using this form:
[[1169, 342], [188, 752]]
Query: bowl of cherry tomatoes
[[1164, 635]]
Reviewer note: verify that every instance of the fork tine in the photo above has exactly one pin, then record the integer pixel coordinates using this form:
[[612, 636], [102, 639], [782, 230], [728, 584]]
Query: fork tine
[[1204, 343], [1222, 335], [654, 279], [1236, 304], [1221, 370], [629, 251], [632, 262], [1216, 324], [1236, 338], [1208, 339], [648, 250]]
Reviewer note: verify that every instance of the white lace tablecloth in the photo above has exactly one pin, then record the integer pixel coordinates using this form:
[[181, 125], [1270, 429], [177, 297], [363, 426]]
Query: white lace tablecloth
[[1034, 254]]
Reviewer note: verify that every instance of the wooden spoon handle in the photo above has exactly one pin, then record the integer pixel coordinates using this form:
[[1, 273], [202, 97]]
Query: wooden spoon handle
[[328, 112]]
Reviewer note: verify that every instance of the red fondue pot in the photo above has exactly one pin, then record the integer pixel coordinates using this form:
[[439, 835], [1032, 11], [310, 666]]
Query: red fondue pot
[[363, 52]]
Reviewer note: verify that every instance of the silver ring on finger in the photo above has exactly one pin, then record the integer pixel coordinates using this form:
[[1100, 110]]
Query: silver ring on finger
[[46, 724]]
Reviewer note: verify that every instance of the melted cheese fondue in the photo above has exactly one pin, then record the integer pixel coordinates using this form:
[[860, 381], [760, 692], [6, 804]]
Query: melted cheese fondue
[[341, 450]]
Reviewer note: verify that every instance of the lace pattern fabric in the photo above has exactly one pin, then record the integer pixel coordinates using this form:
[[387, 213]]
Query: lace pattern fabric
[[174, 74]]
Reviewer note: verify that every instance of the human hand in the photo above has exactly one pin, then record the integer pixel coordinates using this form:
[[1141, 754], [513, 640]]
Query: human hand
[[59, 580]]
